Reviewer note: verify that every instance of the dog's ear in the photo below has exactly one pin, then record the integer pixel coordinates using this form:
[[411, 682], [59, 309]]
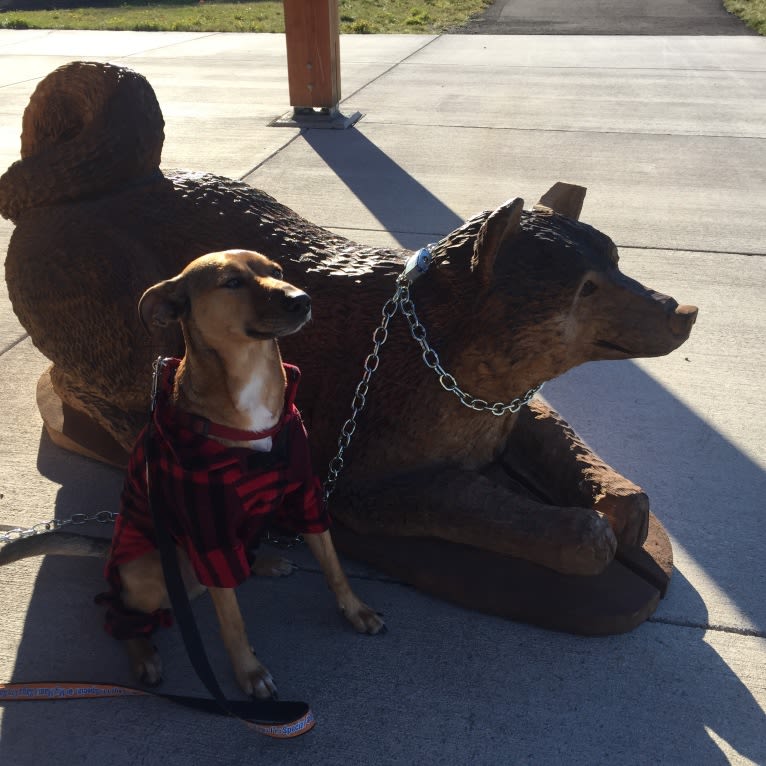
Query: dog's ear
[[563, 198], [501, 225], [163, 303]]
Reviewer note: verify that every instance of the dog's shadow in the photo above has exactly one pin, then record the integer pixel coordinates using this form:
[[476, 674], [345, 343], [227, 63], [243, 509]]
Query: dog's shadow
[[669, 663]]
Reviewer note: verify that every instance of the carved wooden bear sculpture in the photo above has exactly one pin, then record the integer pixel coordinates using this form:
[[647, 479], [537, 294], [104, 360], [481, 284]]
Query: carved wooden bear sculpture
[[513, 298]]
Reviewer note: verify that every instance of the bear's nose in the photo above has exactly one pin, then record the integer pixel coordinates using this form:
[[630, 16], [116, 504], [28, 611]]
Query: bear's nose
[[682, 319]]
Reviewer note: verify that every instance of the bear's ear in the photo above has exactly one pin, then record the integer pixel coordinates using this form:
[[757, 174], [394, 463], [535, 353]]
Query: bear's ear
[[163, 303], [501, 226], [565, 199]]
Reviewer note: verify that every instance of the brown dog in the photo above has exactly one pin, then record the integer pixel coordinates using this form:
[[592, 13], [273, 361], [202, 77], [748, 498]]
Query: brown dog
[[232, 306], [230, 399]]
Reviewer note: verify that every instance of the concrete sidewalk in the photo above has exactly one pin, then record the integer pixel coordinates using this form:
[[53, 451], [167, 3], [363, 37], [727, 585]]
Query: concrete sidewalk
[[669, 135]]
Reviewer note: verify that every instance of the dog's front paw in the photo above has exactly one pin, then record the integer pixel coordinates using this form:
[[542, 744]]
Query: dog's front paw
[[145, 661], [254, 678], [362, 617], [272, 566]]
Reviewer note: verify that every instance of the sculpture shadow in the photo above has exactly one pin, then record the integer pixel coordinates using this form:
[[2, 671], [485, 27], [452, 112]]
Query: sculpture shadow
[[411, 214]]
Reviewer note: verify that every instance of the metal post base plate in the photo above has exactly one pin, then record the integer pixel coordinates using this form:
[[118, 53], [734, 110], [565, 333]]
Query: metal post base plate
[[308, 117]]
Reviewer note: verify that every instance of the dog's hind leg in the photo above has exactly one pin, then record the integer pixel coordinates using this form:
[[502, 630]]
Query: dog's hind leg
[[145, 660], [143, 590]]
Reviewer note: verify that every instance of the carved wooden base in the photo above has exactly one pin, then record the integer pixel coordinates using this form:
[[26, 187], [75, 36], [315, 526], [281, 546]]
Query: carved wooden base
[[74, 430], [616, 601]]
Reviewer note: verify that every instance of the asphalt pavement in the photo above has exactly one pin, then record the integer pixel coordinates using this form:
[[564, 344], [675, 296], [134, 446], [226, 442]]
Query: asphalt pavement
[[616, 17], [668, 133]]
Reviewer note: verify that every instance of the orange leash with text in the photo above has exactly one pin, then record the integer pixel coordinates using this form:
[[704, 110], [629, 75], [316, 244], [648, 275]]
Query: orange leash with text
[[278, 719]]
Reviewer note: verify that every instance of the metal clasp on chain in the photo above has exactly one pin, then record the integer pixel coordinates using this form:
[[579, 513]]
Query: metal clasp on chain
[[417, 265], [157, 366]]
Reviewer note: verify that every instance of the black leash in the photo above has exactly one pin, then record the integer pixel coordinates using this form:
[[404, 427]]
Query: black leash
[[270, 719], [290, 718]]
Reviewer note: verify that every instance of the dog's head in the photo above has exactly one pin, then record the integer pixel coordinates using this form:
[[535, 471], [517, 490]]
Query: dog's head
[[233, 296]]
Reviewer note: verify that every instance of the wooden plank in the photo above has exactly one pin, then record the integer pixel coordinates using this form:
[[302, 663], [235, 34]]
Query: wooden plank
[[312, 31]]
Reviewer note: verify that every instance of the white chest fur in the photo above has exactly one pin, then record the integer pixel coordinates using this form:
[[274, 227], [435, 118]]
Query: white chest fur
[[260, 417]]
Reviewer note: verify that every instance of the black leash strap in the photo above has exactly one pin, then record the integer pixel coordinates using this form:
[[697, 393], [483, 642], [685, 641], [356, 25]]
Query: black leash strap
[[266, 716], [281, 720]]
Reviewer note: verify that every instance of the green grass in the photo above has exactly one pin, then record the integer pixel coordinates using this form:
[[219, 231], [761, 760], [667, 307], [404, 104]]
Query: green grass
[[356, 16], [752, 12]]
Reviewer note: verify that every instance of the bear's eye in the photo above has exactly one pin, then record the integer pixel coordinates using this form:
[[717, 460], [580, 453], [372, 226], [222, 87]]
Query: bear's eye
[[277, 273], [588, 288], [233, 283]]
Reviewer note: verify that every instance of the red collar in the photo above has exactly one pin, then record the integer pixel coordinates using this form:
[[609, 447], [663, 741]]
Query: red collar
[[204, 427]]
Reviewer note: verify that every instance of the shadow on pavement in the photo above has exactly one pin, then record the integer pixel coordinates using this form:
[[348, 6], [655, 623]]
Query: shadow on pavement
[[409, 214]]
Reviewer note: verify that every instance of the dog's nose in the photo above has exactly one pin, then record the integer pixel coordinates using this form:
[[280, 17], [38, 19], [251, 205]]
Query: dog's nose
[[297, 303]]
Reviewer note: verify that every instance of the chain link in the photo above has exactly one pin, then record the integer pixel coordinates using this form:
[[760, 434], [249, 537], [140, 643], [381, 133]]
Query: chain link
[[19, 533], [447, 381], [379, 337], [403, 301]]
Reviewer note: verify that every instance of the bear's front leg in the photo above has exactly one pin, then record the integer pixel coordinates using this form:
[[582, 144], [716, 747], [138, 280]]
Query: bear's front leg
[[463, 506], [545, 452]]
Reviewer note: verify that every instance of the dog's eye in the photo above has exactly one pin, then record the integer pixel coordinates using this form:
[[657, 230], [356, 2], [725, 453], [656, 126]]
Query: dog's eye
[[277, 273], [588, 289], [233, 283]]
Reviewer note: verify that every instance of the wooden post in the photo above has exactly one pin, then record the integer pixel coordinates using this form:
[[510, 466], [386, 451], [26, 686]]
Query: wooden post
[[313, 53]]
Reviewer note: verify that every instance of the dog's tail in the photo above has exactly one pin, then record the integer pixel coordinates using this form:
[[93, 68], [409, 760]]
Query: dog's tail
[[54, 544]]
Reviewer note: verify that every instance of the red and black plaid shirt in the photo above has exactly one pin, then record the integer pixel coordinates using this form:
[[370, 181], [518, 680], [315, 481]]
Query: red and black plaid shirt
[[217, 500]]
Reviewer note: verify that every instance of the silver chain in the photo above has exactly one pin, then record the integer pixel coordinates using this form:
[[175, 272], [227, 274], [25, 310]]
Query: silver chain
[[448, 383], [19, 533], [379, 337], [402, 300]]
